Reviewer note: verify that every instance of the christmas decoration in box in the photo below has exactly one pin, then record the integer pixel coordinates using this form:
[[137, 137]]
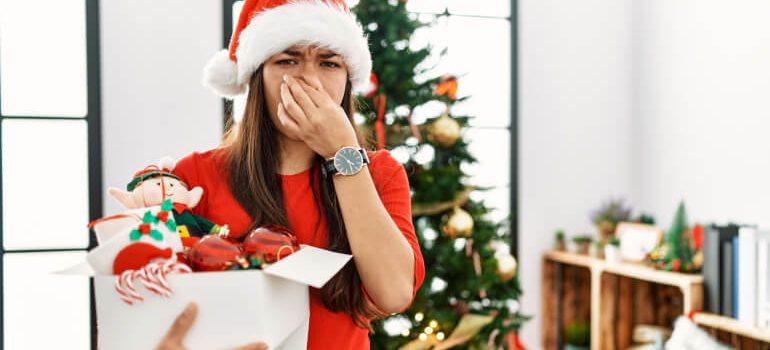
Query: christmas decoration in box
[[157, 257]]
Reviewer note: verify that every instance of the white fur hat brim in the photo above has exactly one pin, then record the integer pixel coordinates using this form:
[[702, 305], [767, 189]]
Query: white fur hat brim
[[295, 23]]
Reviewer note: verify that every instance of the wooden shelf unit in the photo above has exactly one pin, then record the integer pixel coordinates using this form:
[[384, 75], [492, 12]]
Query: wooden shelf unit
[[614, 297], [732, 331]]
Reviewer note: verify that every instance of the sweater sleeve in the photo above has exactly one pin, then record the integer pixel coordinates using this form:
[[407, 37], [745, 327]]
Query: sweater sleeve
[[187, 169], [392, 185]]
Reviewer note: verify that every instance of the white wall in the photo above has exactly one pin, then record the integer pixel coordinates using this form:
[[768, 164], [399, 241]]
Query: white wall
[[701, 111], [153, 103], [652, 100], [575, 125]]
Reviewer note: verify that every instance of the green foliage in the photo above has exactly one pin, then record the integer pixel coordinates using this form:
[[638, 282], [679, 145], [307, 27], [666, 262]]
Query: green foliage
[[645, 218], [582, 239], [677, 240], [578, 334]]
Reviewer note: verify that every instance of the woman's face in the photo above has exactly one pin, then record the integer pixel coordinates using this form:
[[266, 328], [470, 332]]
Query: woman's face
[[317, 66]]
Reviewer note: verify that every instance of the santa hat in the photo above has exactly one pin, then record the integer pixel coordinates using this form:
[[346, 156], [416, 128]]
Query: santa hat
[[163, 169], [267, 27]]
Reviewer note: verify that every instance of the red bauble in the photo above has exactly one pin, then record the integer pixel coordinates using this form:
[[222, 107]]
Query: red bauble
[[213, 253], [270, 243]]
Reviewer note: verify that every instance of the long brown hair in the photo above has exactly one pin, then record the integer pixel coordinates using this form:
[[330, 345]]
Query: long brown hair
[[253, 158]]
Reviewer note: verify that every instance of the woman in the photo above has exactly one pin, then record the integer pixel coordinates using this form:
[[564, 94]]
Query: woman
[[296, 159]]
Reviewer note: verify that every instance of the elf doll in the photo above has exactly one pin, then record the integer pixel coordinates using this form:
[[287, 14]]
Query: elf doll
[[153, 184]]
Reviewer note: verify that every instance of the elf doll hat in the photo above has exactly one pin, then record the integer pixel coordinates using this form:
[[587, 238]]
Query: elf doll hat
[[163, 169], [267, 27]]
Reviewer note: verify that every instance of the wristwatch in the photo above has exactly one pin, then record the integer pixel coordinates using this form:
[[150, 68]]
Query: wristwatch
[[347, 161]]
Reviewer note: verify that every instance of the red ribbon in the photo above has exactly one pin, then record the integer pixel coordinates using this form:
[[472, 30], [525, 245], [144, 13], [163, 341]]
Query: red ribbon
[[379, 124]]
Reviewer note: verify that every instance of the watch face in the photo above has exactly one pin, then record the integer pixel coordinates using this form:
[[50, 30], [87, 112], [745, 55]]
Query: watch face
[[348, 161]]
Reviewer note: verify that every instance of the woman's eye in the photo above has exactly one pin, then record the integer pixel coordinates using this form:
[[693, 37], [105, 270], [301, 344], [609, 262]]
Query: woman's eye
[[330, 64], [287, 62]]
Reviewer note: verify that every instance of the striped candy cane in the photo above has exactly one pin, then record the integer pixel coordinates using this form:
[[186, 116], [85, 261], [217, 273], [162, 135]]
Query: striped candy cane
[[153, 278]]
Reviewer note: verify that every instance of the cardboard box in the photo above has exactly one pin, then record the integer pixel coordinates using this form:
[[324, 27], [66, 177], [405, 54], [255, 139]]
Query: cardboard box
[[234, 307]]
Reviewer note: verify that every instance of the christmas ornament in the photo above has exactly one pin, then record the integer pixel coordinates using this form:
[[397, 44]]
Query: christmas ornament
[[467, 328], [145, 243], [136, 255], [270, 243], [267, 27], [373, 86], [447, 86], [506, 266], [676, 251], [444, 131], [153, 185], [459, 223], [214, 253]]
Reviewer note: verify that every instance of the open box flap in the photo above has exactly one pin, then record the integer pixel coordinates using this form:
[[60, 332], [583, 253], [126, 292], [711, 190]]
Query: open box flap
[[309, 265], [78, 269]]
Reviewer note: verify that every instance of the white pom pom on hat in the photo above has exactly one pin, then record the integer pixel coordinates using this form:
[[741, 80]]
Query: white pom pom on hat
[[167, 163], [267, 27]]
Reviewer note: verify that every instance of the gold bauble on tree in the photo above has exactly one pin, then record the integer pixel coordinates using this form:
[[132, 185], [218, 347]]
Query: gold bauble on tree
[[444, 131], [459, 223], [506, 266]]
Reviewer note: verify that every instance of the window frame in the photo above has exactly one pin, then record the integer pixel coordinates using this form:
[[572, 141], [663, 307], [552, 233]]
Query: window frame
[[93, 121]]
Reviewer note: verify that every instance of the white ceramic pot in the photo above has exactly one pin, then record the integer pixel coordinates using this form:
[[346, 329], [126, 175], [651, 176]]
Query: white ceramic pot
[[612, 254]]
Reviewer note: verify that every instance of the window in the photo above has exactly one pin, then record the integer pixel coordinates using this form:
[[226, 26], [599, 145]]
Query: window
[[50, 171]]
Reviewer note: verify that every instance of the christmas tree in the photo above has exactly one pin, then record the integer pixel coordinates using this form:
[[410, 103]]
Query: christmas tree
[[676, 252], [469, 299]]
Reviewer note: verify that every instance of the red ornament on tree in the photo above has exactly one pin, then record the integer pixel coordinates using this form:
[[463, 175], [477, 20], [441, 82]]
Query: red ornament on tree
[[270, 243], [214, 253]]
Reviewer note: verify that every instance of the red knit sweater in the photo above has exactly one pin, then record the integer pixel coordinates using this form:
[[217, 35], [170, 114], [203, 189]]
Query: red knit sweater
[[328, 330]]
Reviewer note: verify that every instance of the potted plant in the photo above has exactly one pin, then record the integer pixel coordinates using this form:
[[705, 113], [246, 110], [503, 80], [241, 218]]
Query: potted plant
[[607, 217], [612, 250], [559, 243], [577, 336], [581, 244], [597, 249]]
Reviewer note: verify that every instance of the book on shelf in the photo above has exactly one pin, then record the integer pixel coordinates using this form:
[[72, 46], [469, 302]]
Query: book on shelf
[[763, 279], [746, 284], [717, 268]]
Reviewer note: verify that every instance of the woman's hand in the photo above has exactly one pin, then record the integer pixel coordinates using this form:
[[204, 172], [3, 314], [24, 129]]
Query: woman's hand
[[174, 339], [313, 116]]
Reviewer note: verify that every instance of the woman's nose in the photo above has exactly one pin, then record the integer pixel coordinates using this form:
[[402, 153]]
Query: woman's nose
[[309, 73]]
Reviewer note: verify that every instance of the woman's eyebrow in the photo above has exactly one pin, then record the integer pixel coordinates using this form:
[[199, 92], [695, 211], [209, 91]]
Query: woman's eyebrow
[[292, 53], [328, 55], [295, 53]]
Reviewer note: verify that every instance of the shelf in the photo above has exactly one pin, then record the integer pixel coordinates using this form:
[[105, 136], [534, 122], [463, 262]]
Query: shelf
[[615, 296], [637, 271], [731, 325]]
